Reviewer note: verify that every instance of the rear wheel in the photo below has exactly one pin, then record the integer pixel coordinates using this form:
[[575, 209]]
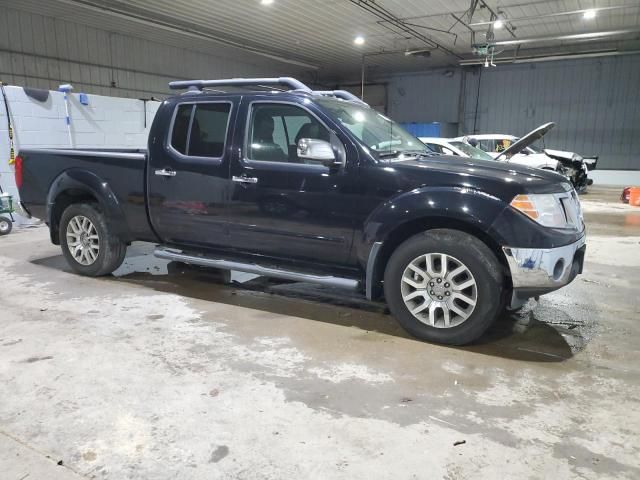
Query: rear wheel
[[5, 226], [444, 286], [88, 243]]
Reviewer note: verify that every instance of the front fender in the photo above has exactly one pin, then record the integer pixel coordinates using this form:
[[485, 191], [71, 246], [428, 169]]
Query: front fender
[[470, 206], [81, 183]]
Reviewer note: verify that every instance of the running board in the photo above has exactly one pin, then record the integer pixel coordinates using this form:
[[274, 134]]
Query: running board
[[179, 256]]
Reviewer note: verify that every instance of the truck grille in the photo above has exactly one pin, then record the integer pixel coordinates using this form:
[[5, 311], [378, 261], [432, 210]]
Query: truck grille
[[572, 209]]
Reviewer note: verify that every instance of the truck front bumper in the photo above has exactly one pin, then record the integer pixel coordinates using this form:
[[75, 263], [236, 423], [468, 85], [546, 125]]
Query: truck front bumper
[[536, 271]]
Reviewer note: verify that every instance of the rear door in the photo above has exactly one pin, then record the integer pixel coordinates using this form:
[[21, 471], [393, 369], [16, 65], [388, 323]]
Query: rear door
[[188, 175]]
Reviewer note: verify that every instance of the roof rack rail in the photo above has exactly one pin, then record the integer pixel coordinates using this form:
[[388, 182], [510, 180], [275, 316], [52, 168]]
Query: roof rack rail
[[343, 94], [231, 82]]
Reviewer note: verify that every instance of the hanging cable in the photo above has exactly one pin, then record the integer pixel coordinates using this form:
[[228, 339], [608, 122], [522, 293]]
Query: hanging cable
[[12, 150]]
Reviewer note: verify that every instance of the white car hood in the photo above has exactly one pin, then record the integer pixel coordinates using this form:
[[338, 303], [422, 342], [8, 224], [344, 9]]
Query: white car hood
[[560, 153]]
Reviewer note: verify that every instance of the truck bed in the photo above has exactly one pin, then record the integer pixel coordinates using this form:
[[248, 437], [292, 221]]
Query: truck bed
[[120, 171]]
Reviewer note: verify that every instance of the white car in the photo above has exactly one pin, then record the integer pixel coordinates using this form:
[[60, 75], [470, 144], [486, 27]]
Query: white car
[[495, 144], [570, 164]]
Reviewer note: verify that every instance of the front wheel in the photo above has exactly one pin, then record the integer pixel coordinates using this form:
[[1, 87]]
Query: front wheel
[[444, 286], [87, 241]]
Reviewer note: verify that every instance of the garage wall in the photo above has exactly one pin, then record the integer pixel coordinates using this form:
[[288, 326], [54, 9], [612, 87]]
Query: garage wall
[[44, 52], [595, 103], [427, 97]]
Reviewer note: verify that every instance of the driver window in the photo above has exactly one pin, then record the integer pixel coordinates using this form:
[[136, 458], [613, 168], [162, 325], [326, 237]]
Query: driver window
[[275, 130]]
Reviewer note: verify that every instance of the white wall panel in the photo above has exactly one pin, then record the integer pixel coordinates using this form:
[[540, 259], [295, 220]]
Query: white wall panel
[[105, 122]]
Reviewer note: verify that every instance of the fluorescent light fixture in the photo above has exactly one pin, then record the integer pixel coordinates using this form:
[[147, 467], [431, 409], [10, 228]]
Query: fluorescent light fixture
[[589, 14], [498, 24], [359, 40], [266, 2]]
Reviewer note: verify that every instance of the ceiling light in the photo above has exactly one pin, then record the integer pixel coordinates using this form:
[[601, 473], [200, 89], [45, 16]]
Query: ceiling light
[[589, 14], [266, 2], [498, 24], [359, 40]]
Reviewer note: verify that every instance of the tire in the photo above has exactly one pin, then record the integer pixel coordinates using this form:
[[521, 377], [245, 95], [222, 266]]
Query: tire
[[103, 251], [6, 225], [479, 300]]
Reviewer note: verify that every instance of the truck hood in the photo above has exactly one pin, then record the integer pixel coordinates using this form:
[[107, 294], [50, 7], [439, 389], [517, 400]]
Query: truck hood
[[501, 179]]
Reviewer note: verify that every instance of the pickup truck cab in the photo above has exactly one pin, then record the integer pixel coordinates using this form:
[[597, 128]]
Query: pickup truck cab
[[269, 177]]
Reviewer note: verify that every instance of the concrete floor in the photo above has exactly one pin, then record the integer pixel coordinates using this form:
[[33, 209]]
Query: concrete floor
[[162, 373]]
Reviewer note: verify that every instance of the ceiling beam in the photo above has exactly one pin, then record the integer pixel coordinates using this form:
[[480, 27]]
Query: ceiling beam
[[571, 37], [553, 15], [386, 16]]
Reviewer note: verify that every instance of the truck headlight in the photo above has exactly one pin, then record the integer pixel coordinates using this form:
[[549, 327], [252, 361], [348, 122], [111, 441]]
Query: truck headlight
[[543, 208]]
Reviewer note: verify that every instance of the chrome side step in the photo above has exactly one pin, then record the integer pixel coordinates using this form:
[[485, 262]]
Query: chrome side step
[[179, 256]]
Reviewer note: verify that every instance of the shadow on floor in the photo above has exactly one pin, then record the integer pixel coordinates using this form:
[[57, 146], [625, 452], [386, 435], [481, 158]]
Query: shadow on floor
[[537, 333]]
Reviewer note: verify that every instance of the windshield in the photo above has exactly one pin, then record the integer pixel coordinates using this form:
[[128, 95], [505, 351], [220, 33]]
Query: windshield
[[533, 148], [472, 152], [384, 137]]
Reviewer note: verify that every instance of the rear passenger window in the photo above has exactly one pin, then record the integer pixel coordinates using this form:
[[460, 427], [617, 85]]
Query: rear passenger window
[[486, 145], [203, 135], [181, 128], [209, 129]]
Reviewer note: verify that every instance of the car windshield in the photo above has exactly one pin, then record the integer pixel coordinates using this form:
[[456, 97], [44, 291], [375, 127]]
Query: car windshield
[[533, 148], [471, 151], [385, 138]]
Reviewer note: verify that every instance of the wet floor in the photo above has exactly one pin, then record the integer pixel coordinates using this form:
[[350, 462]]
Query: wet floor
[[537, 332], [169, 371]]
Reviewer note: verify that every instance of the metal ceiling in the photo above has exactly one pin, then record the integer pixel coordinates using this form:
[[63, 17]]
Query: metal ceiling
[[318, 36]]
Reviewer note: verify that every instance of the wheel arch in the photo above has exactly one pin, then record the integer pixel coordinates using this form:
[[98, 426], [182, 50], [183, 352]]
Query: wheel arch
[[79, 186], [410, 228]]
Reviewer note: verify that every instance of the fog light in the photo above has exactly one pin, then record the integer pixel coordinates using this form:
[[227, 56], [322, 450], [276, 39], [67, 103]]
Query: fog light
[[558, 269]]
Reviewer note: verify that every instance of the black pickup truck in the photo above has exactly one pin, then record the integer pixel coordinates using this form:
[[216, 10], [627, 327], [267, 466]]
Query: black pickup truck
[[269, 177]]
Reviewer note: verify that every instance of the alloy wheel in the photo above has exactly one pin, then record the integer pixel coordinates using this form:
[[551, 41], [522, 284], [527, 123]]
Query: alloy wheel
[[439, 290], [82, 240]]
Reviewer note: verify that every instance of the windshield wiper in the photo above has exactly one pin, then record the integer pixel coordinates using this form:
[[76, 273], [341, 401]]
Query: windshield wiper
[[389, 154], [408, 153], [419, 153]]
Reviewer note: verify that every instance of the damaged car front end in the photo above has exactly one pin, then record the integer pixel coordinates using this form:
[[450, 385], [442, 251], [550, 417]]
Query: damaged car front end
[[574, 167]]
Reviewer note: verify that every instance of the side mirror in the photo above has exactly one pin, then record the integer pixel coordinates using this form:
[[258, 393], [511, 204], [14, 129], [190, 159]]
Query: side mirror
[[317, 150]]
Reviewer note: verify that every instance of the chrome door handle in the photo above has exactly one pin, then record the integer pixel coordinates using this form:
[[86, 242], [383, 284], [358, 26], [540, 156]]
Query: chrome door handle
[[166, 172], [244, 179]]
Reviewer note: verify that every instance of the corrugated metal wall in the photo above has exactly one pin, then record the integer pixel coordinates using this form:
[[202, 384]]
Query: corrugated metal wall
[[595, 103], [43, 52], [428, 97]]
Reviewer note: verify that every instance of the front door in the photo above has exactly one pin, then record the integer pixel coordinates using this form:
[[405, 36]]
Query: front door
[[188, 177], [282, 205]]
